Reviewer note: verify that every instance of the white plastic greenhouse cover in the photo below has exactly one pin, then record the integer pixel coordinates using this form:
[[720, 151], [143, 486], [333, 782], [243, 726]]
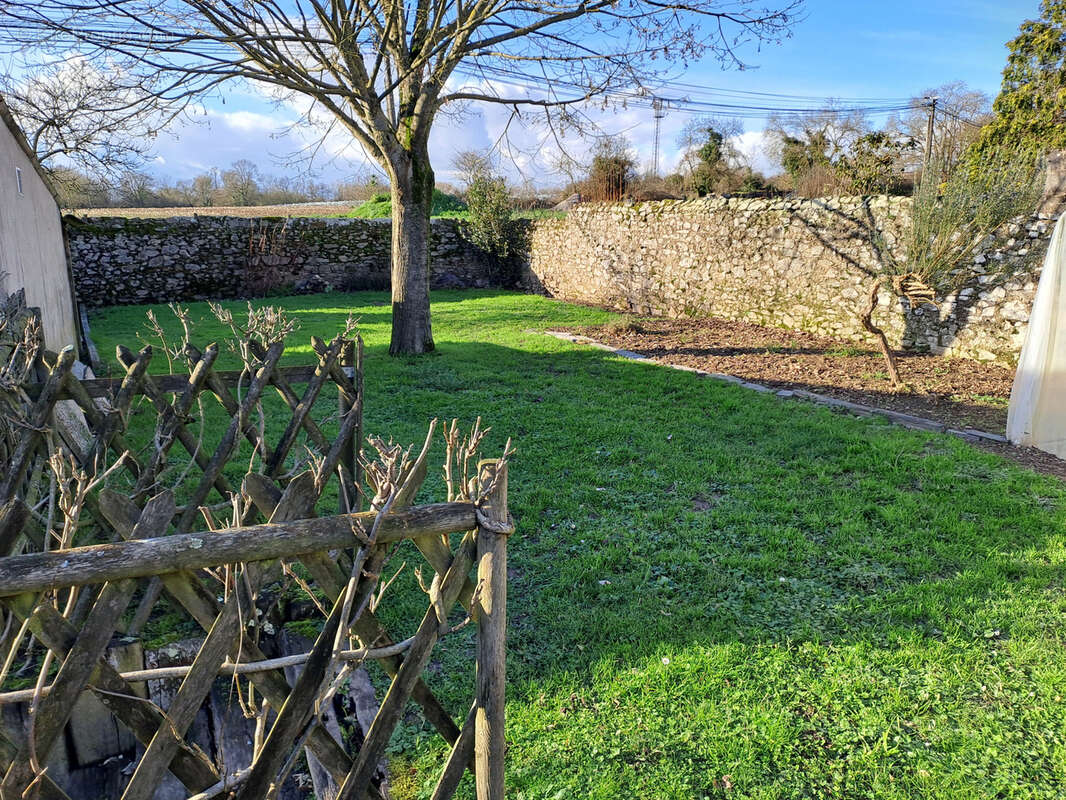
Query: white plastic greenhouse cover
[[1037, 412]]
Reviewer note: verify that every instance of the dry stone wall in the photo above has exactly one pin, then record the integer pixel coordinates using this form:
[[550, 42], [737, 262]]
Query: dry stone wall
[[120, 261], [805, 264], [795, 263]]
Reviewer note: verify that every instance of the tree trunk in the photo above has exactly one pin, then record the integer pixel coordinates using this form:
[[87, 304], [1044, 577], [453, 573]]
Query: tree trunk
[[882, 340], [412, 199]]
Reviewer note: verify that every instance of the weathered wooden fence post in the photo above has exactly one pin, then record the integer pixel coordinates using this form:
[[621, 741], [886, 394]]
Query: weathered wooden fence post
[[358, 467], [177, 561], [491, 614], [344, 406]]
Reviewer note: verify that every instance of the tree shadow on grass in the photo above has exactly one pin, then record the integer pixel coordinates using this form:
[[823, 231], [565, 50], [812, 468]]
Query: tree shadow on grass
[[694, 544], [664, 516], [705, 581], [945, 407], [658, 509], [323, 314]]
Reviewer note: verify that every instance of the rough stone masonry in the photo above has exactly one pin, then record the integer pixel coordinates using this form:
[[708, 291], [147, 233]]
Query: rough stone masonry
[[120, 261], [794, 263]]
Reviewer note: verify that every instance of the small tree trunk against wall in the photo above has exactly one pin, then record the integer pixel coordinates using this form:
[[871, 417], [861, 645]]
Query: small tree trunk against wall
[[882, 340], [412, 199]]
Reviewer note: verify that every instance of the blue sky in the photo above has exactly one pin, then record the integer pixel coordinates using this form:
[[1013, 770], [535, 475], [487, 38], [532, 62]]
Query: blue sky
[[840, 49], [888, 49]]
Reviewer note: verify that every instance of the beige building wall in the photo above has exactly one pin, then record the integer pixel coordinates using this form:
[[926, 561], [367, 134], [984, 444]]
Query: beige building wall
[[32, 254]]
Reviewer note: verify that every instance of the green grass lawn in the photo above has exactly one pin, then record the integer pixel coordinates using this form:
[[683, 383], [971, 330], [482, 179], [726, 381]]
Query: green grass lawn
[[717, 593]]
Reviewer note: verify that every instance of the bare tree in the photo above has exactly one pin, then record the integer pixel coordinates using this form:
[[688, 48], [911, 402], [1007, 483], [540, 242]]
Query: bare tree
[[473, 164], [709, 152], [382, 70], [240, 183], [135, 190], [203, 188], [612, 169], [959, 115], [101, 120], [77, 190], [812, 141]]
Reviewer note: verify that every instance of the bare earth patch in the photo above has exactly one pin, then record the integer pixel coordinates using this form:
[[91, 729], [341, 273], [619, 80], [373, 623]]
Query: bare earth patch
[[956, 391]]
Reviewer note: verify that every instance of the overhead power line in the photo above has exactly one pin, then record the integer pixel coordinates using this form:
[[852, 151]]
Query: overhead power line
[[686, 103], [680, 96]]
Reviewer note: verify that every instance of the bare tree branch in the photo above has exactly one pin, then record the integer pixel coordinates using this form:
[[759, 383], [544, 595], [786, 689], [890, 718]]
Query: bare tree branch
[[74, 114], [384, 69]]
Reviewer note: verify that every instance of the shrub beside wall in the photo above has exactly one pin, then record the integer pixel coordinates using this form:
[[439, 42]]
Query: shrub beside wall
[[793, 263]]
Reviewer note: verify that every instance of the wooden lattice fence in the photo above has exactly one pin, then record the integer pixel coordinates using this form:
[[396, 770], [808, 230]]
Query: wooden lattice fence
[[67, 578]]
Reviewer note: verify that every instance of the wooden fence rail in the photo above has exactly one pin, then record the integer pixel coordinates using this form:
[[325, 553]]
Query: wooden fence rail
[[488, 525], [92, 564], [97, 388], [74, 598], [175, 559]]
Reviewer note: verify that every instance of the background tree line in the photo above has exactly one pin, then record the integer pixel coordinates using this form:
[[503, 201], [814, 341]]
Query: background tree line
[[831, 151], [951, 136], [825, 152], [242, 184]]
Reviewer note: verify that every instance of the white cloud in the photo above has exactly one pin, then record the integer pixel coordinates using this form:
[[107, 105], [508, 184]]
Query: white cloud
[[248, 121], [527, 148], [272, 141], [752, 145]]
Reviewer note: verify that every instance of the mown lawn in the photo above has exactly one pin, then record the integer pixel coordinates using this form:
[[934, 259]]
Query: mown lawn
[[721, 594]]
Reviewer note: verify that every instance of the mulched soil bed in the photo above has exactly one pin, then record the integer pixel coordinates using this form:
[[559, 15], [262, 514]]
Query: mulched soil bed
[[955, 391]]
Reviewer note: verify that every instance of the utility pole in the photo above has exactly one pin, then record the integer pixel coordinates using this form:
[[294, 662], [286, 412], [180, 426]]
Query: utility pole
[[659, 109], [929, 133]]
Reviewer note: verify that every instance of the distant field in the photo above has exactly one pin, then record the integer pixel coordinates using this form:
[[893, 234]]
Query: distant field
[[299, 210]]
